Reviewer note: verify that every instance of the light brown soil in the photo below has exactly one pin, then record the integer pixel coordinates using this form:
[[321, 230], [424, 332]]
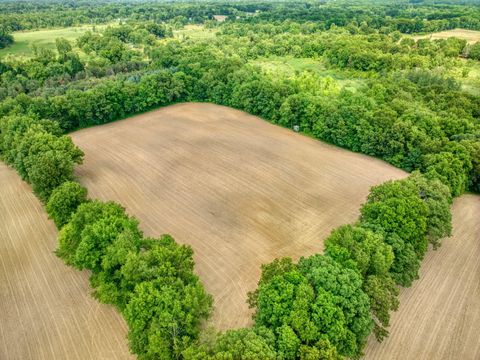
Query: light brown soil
[[439, 316], [239, 190], [471, 36], [46, 311]]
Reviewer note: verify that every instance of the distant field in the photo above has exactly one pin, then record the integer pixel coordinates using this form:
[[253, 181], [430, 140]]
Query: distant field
[[439, 316], [22, 47], [46, 310], [241, 191], [471, 36]]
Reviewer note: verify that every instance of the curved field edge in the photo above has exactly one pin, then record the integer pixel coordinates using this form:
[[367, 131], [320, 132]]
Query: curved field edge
[[241, 191], [439, 316], [46, 311]]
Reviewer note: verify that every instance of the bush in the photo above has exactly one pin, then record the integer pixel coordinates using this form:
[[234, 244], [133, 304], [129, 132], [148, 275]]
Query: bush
[[474, 51], [64, 201], [6, 39]]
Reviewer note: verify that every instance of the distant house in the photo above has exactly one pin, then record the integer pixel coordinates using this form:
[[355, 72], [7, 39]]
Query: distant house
[[220, 18]]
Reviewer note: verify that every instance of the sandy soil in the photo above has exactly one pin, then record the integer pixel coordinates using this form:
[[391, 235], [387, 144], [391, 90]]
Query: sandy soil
[[46, 311], [239, 190], [439, 316], [471, 36]]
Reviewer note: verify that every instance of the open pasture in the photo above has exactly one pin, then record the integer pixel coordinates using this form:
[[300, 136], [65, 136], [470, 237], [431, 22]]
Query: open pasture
[[238, 189], [46, 310]]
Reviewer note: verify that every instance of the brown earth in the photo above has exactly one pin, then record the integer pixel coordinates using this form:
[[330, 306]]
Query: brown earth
[[239, 190], [46, 311], [439, 316], [471, 36]]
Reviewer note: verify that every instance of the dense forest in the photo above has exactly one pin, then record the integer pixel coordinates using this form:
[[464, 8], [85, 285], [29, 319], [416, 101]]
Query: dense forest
[[405, 16], [372, 88]]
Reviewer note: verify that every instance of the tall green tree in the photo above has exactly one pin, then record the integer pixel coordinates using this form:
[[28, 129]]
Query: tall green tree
[[88, 213], [345, 287], [163, 319], [366, 252], [397, 207]]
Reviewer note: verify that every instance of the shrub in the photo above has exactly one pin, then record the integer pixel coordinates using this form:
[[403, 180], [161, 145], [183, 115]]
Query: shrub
[[64, 201]]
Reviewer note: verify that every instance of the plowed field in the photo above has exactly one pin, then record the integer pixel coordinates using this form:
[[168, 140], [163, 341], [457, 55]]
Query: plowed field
[[46, 310], [439, 316], [238, 189]]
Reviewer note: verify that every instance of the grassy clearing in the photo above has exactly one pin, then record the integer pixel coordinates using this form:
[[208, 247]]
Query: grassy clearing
[[291, 66], [194, 32], [467, 73], [471, 83], [24, 40], [471, 36]]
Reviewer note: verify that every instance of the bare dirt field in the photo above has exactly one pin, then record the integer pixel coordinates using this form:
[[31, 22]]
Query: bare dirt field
[[239, 190], [439, 316], [46, 311], [471, 36]]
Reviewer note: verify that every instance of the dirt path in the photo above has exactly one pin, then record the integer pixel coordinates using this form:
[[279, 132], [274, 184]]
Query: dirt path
[[439, 316], [46, 311], [241, 191]]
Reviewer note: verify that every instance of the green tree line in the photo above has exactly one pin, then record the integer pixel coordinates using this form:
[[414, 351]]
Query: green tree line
[[406, 17], [416, 120]]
